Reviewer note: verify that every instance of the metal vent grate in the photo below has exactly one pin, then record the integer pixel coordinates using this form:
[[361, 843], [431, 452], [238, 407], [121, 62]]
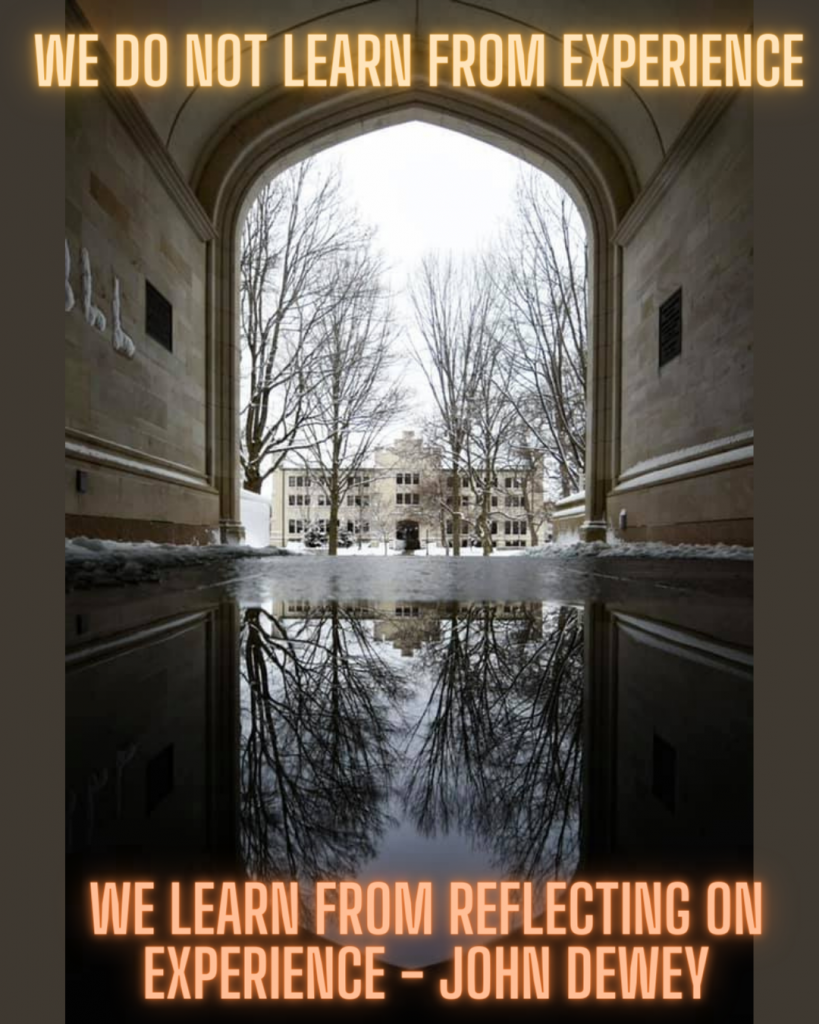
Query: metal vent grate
[[671, 327], [158, 317]]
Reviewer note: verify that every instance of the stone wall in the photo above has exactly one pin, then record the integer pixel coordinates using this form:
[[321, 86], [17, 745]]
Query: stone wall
[[686, 442], [136, 428]]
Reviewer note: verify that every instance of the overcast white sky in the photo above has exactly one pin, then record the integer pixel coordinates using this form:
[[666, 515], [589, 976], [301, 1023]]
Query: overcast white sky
[[425, 188]]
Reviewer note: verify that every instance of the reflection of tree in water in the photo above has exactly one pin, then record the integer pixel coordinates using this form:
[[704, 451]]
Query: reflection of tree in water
[[317, 753], [497, 750]]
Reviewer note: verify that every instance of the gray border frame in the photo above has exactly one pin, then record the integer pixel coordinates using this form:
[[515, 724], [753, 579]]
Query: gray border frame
[[786, 708], [787, 231], [32, 716]]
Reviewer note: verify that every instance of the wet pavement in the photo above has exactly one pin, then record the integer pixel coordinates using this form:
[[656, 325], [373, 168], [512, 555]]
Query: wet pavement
[[408, 719]]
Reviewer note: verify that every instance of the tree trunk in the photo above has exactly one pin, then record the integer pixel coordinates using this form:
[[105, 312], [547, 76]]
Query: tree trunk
[[332, 526], [529, 505], [252, 481], [456, 510], [486, 529]]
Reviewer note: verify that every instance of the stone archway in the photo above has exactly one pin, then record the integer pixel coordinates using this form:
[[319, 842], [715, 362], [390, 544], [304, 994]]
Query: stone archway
[[540, 131]]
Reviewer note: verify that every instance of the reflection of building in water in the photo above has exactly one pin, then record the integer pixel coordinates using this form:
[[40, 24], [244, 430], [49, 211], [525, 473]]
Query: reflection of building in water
[[405, 497], [408, 625]]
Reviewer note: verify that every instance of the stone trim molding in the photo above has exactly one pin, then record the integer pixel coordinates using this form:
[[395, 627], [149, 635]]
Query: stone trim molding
[[573, 505], [705, 116], [724, 453], [88, 448], [144, 134], [103, 650], [693, 646]]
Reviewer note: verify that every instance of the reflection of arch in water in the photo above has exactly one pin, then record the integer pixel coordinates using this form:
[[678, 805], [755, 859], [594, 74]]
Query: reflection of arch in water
[[496, 753]]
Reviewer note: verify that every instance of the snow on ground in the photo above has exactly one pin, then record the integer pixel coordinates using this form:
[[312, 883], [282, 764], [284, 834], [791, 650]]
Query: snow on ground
[[573, 548], [568, 547], [434, 550], [100, 563]]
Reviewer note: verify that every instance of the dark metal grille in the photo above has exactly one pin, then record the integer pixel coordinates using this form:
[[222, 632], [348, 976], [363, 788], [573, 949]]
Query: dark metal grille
[[671, 327], [158, 317]]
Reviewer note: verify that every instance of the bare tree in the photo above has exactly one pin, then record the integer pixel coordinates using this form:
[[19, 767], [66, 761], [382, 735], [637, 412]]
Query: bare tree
[[297, 222], [493, 419], [455, 315], [353, 359], [382, 519], [544, 278]]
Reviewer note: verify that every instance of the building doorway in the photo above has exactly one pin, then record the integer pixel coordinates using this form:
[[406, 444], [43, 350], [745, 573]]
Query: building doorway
[[407, 534]]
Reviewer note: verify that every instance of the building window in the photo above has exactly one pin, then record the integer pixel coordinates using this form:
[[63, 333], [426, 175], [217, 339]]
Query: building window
[[399, 499], [465, 499], [158, 317], [416, 499], [321, 499], [493, 527], [508, 482], [416, 478], [671, 327], [399, 478], [291, 481], [494, 501], [291, 499]]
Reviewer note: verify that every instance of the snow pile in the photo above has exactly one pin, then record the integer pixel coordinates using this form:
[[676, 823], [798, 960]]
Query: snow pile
[[642, 549], [100, 563]]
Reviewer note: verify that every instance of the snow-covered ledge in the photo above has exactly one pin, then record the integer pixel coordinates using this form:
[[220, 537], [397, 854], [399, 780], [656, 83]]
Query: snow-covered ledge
[[571, 506], [726, 452]]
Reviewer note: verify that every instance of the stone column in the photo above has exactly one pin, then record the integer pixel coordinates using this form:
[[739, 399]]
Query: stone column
[[602, 398], [224, 350]]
